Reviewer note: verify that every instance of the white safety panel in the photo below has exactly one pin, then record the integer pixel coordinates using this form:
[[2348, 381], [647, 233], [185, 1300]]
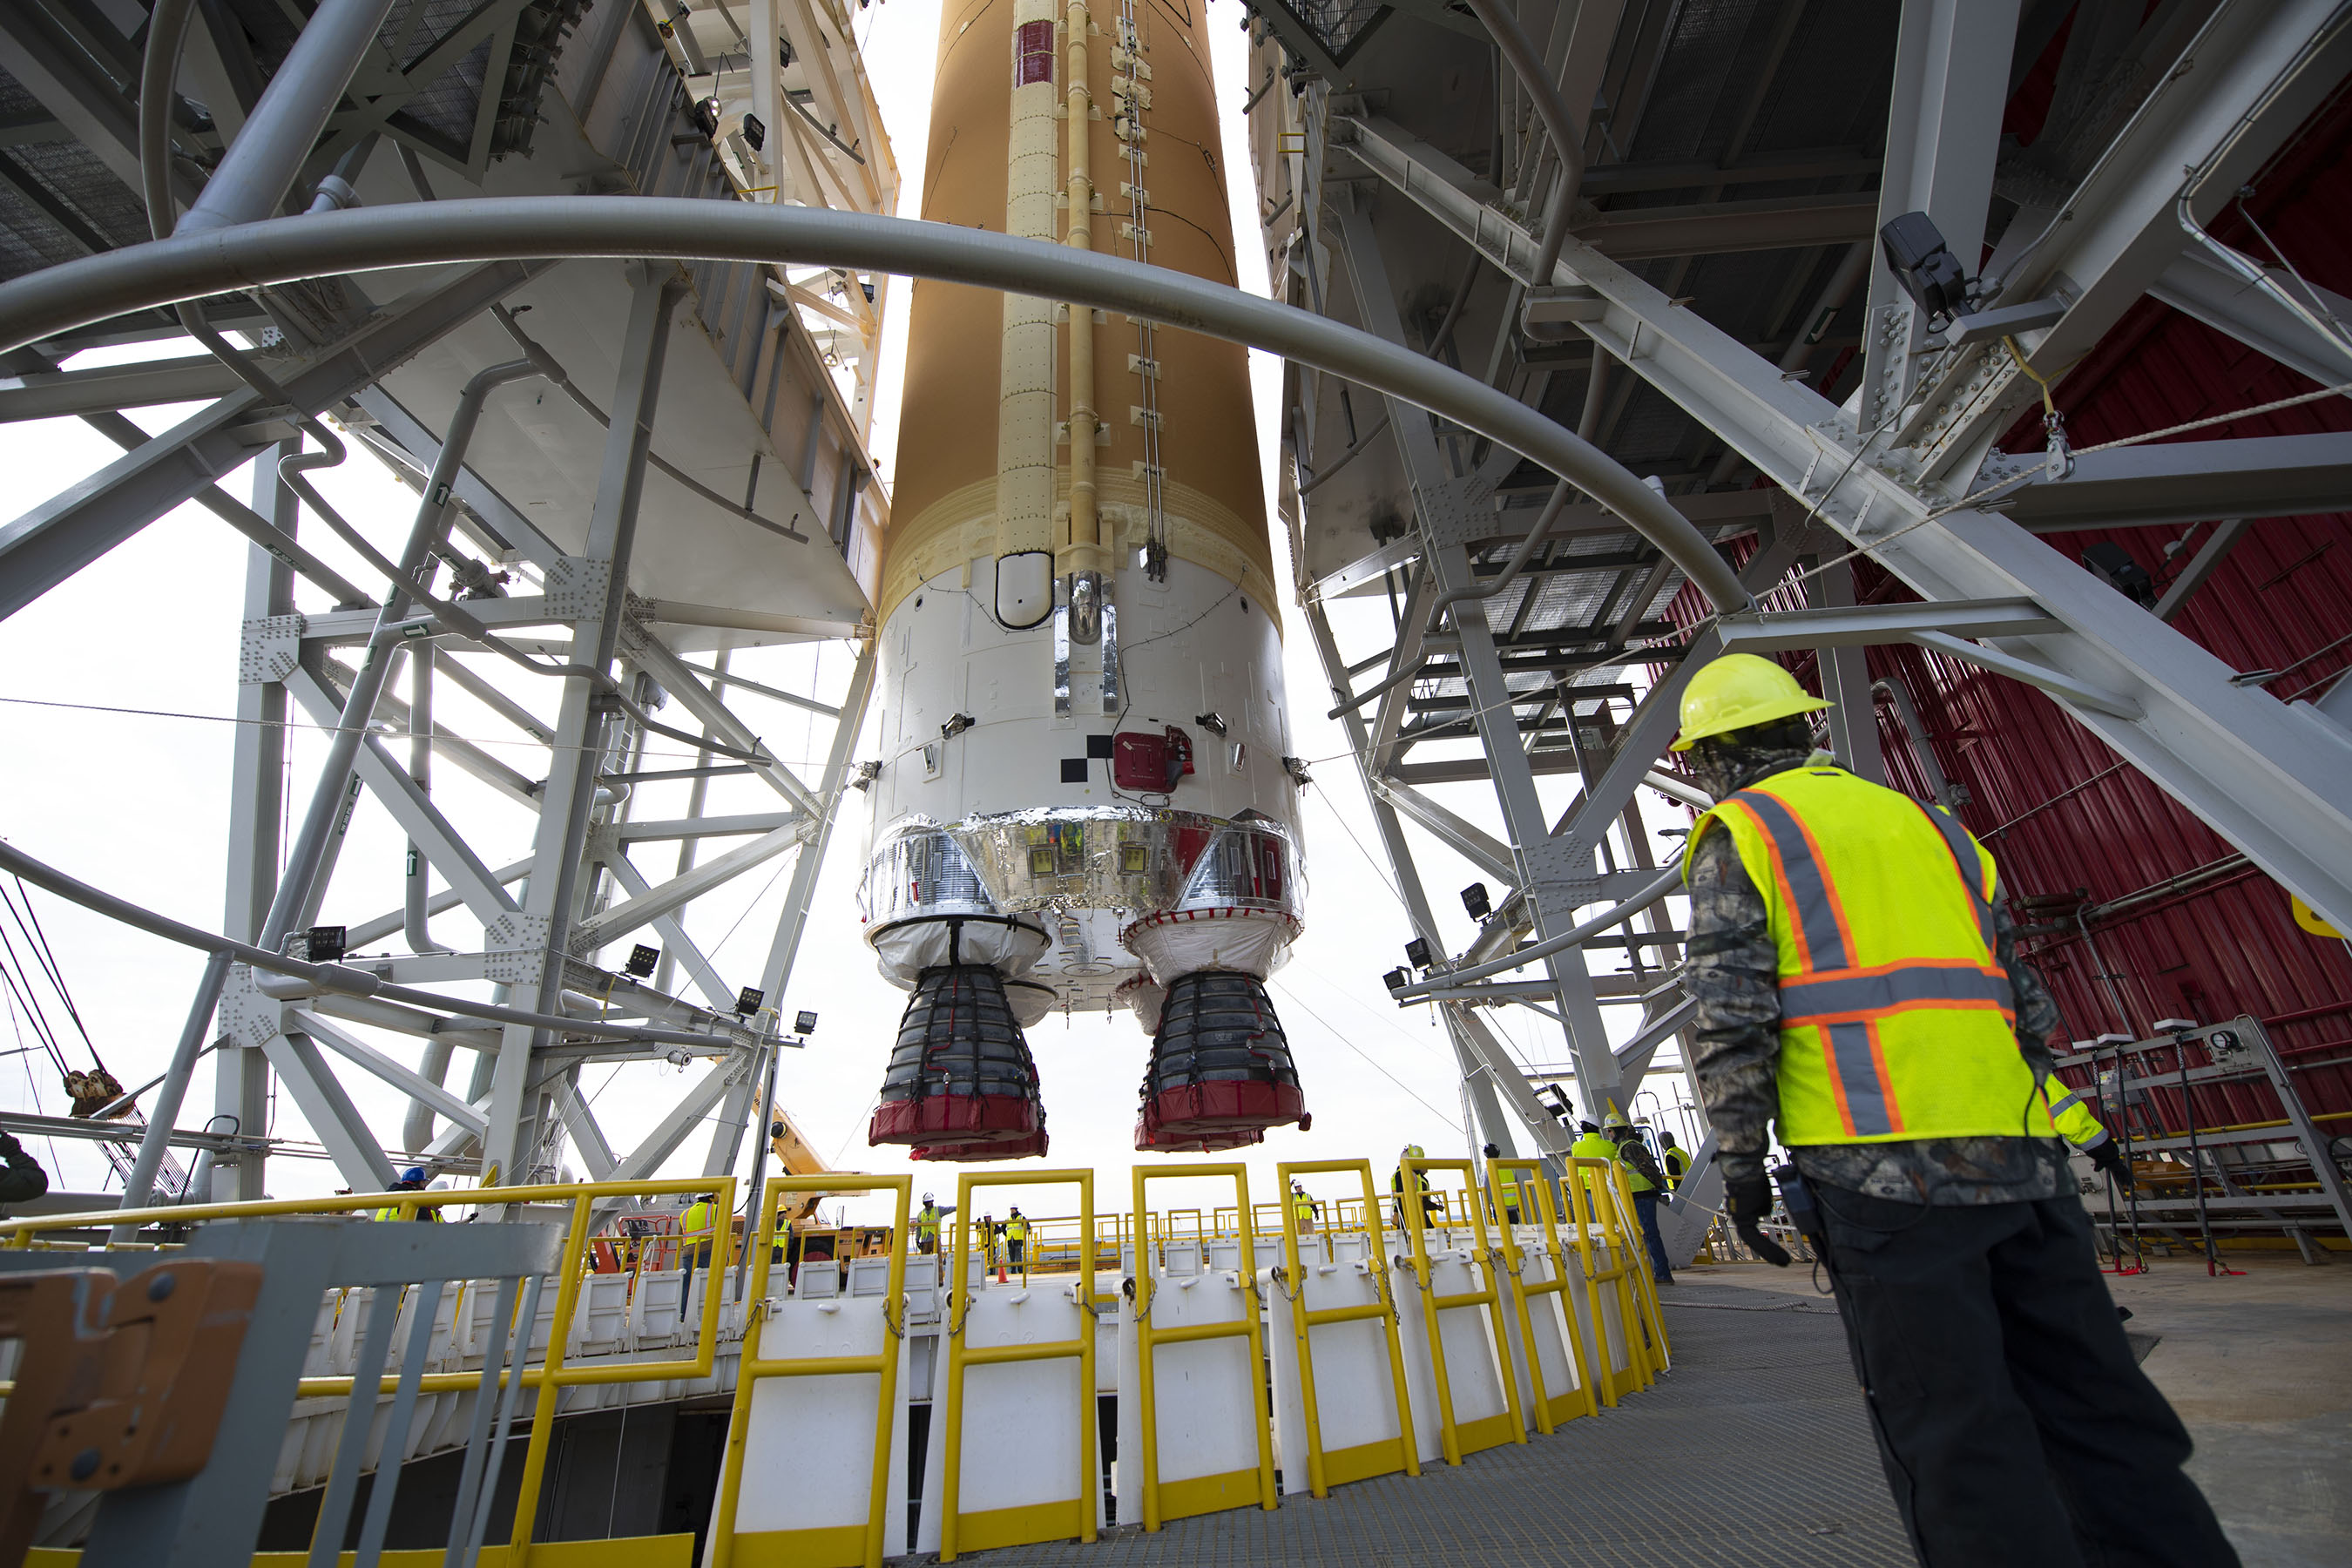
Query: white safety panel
[[808, 1450], [1354, 1395], [1204, 1394], [1020, 1420], [1550, 1372], [1473, 1369]]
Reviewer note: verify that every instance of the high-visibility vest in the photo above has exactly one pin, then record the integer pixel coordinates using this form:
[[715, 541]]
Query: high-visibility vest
[[1016, 1229], [1303, 1206], [926, 1223], [1634, 1180], [1678, 1164], [1594, 1146], [2071, 1112], [1897, 1019], [1507, 1185]]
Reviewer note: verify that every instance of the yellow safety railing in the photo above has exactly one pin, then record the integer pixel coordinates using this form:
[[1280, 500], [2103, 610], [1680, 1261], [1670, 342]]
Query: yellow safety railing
[[1459, 1438], [1382, 1456], [846, 1545], [1591, 1189], [1549, 1409], [1646, 1284], [1203, 1494], [962, 1531], [550, 1378]]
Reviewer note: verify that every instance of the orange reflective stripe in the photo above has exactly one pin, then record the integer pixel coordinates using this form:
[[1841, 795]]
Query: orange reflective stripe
[[1858, 1076], [1889, 988], [1967, 863], [1820, 928]]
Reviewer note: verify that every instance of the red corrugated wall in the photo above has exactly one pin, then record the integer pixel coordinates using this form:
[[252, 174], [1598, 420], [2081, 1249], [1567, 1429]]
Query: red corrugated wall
[[2206, 936]]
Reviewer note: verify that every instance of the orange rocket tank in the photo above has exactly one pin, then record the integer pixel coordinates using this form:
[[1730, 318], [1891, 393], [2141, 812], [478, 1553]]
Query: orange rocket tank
[[1087, 798]]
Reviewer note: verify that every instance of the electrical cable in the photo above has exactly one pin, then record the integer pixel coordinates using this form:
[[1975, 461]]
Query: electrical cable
[[1293, 997], [387, 735]]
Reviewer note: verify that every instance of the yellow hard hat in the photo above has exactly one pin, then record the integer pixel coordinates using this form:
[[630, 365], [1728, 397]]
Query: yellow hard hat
[[1737, 690], [1413, 1151]]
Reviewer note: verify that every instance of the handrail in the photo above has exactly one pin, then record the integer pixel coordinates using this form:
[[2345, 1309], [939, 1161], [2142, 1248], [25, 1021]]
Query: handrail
[[550, 1378], [43, 304]]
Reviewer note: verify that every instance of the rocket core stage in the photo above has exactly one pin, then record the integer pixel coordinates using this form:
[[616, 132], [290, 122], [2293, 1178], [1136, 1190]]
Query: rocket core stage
[[1085, 798]]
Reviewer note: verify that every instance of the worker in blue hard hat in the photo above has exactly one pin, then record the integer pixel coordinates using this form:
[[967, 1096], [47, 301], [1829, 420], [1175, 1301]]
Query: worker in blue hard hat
[[411, 1180], [1855, 975]]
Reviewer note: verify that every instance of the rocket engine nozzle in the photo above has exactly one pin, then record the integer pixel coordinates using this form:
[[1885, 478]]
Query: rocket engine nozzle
[[1220, 1072], [961, 1084]]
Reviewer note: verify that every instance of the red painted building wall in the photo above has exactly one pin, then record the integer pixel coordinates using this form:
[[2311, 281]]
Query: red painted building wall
[[2174, 922]]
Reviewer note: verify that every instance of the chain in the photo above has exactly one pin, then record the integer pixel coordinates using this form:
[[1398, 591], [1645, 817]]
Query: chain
[[897, 1325], [1281, 1282], [956, 1319]]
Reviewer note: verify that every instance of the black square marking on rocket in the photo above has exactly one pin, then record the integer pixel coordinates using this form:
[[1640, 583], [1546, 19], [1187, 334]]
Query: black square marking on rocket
[[1098, 746], [1074, 770]]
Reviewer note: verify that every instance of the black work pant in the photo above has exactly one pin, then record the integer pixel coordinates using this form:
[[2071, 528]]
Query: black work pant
[[1646, 1208], [2015, 1426]]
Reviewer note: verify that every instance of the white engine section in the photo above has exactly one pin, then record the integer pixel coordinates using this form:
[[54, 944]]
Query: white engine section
[[980, 721]]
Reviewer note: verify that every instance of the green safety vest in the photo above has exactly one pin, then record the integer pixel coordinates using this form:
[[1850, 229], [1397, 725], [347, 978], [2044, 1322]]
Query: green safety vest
[[1677, 1166], [1303, 1206], [926, 1223], [1016, 1229], [1897, 1019]]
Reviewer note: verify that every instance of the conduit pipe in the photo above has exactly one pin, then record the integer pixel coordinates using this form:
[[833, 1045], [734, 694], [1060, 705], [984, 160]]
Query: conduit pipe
[[1526, 63], [340, 979], [1666, 881], [1084, 551], [261, 163], [96, 288]]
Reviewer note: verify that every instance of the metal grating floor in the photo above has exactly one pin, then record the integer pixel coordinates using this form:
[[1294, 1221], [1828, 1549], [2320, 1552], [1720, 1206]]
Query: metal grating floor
[[1693, 1471]]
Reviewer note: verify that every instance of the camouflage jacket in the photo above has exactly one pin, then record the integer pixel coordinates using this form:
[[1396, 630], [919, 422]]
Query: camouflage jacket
[[1733, 973]]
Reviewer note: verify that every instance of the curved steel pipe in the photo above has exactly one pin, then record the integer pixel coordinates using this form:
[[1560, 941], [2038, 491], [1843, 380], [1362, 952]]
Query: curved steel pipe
[[247, 256]]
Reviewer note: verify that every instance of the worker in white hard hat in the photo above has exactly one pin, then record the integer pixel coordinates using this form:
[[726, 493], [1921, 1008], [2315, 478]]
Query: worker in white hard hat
[[1853, 965], [927, 1226]]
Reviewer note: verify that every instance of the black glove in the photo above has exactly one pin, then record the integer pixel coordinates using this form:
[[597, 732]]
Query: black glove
[[1748, 1201], [1666, 1198], [2108, 1157]]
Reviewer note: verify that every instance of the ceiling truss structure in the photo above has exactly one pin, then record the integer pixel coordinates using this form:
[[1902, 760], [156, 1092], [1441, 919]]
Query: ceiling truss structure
[[518, 610], [1370, 221]]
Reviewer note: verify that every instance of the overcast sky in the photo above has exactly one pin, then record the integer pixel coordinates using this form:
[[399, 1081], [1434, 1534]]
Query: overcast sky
[[138, 803]]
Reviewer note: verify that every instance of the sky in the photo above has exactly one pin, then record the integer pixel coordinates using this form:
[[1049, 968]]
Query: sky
[[115, 701]]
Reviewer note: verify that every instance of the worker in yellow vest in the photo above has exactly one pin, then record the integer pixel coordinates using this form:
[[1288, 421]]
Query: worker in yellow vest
[[1433, 1207], [927, 1226], [2071, 1112], [1676, 1163], [1302, 1208], [411, 1181], [1852, 963], [1016, 1241], [1648, 1185], [1506, 1188]]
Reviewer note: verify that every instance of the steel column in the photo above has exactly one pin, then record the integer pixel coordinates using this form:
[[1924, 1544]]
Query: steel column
[[581, 725]]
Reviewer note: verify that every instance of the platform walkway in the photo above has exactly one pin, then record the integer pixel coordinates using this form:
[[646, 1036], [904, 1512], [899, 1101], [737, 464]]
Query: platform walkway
[[1695, 1470]]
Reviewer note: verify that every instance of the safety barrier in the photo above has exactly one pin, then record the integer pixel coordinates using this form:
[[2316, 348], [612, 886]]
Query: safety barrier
[[1462, 1352], [1521, 1329], [1555, 1379], [1616, 1324], [1011, 1474], [816, 1523], [454, 1329], [1214, 1337], [1330, 1296]]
